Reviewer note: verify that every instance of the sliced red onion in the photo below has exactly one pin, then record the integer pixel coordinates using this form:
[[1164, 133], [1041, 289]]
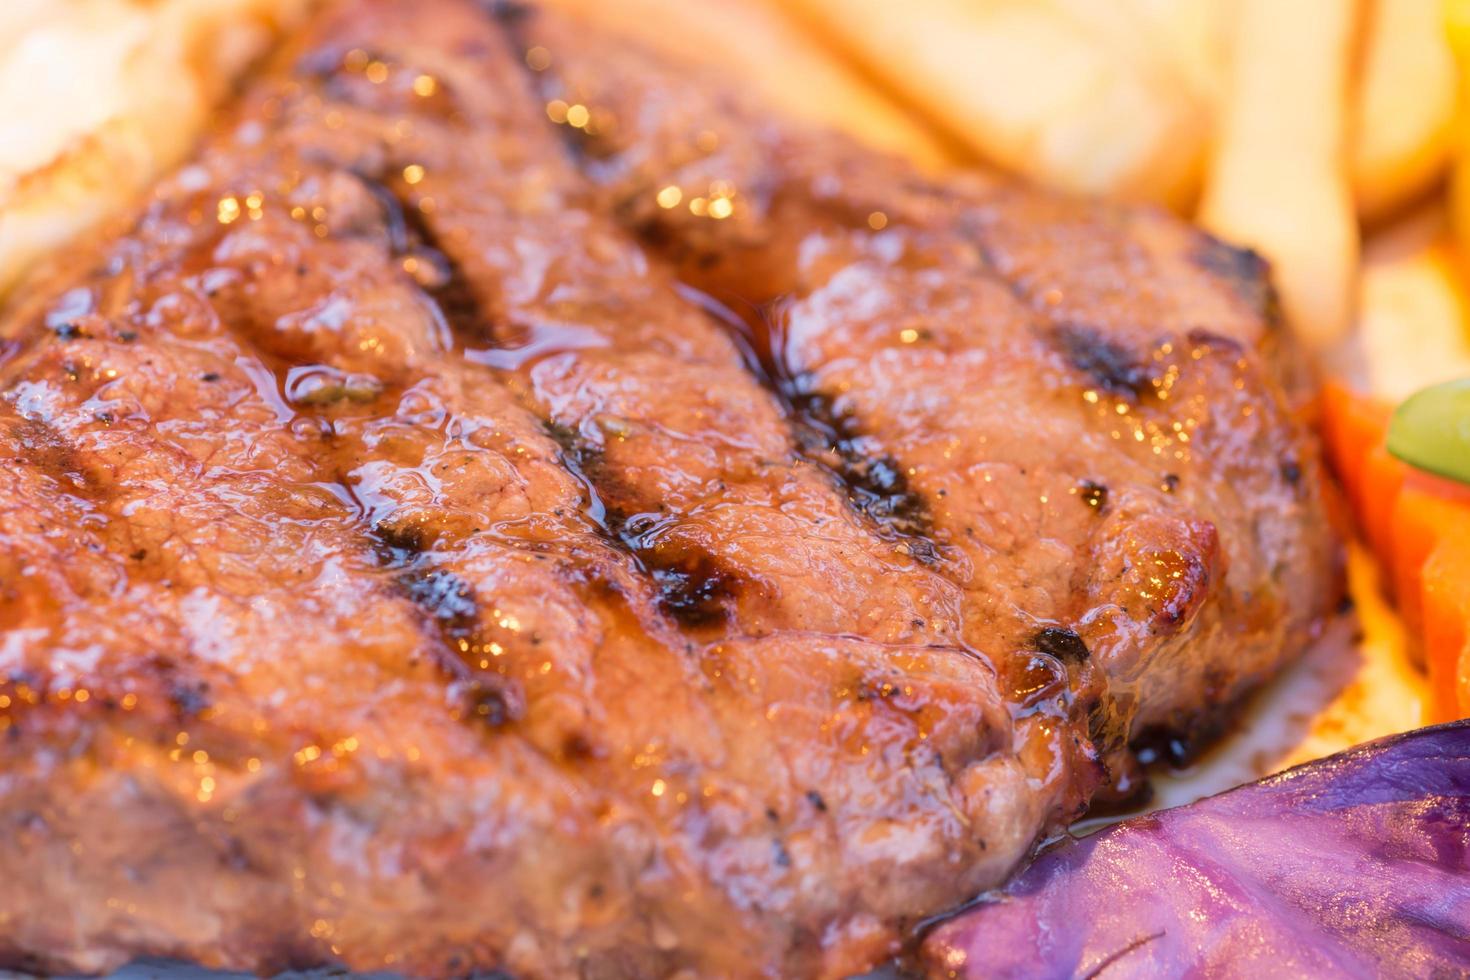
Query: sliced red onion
[[1357, 865]]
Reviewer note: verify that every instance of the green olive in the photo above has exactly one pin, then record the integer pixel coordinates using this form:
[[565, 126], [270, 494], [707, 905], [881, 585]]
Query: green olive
[[1431, 430]]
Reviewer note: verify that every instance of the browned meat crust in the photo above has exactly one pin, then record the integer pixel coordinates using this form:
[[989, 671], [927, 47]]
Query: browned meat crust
[[1085, 403], [400, 568]]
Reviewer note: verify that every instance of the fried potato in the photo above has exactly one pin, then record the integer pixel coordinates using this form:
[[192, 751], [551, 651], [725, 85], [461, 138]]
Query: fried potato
[[1278, 178], [1405, 106], [1457, 27], [770, 53], [76, 146], [1034, 88], [1412, 316]]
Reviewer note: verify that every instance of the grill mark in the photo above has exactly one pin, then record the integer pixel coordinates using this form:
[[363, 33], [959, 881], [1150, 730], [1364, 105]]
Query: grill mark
[[1110, 364], [440, 277], [469, 323], [695, 589], [873, 484], [446, 602], [449, 604], [696, 592], [698, 596], [583, 461], [1243, 271]]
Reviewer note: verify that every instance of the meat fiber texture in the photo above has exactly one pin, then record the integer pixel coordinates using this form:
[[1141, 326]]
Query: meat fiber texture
[[409, 561]]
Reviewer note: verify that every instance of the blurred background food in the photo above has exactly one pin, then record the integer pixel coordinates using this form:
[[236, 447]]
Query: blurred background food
[[1330, 135], [98, 96]]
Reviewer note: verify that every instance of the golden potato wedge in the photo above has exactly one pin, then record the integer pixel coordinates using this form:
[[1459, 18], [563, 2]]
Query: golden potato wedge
[[1032, 88], [1278, 178], [1405, 107], [1457, 28], [76, 146], [769, 52], [1412, 314], [1186, 38]]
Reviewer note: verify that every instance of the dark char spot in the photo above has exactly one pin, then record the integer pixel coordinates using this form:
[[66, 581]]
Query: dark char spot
[[1094, 495], [1064, 644], [696, 594], [452, 607], [1244, 271], [1109, 363], [189, 700]]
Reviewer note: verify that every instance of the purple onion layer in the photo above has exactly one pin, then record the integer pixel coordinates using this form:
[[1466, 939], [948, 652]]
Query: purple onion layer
[[1356, 865]]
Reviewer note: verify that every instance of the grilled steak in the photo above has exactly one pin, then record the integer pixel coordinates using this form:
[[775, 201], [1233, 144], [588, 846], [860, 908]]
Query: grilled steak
[[407, 562], [1084, 407]]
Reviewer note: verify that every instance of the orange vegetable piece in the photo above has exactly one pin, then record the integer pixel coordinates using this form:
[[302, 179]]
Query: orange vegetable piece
[[1383, 478], [1445, 599], [1419, 527], [1353, 426], [1421, 514]]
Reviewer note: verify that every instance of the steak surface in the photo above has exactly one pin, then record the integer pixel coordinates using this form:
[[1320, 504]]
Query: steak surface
[[429, 544]]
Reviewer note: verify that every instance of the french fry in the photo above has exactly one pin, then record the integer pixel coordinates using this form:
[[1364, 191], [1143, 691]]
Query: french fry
[[1278, 179], [1032, 88], [1405, 106], [769, 52]]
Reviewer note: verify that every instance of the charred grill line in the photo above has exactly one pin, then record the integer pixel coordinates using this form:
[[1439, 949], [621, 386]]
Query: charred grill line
[[450, 605], [581, 459], [693, 591], [1243, 269], [1110, 364], [441, 278], [447, 602], [874, 483]]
